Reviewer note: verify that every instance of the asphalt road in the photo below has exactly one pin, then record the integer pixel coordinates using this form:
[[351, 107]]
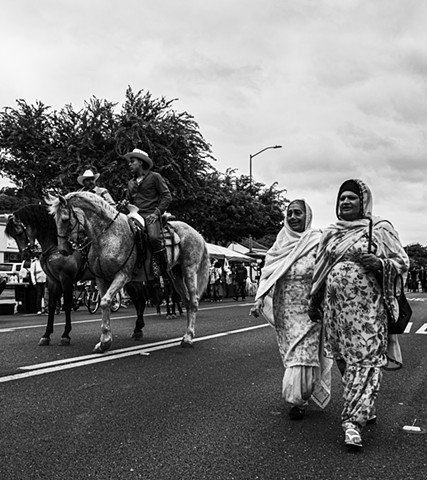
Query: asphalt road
[[154, 410]]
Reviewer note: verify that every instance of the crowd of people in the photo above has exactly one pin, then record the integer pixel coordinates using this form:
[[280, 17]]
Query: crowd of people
[[227, 280], [417, 280]]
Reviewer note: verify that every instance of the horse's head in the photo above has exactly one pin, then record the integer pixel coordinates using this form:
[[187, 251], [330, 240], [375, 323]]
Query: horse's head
[[69, 223], [24, 236]]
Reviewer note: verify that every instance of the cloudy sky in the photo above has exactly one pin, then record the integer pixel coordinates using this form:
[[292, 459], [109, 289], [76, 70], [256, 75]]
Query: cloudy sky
[[340, 84]]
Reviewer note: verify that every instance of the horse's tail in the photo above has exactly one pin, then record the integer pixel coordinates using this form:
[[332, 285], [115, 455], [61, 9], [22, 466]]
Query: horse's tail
[[203, 271]]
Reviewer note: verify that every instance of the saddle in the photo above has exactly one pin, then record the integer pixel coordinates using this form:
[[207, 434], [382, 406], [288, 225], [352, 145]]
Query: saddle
[[144, 265]]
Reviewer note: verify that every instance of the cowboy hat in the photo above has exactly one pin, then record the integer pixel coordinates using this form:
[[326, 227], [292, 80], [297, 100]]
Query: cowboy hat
[[88, 174], [140, 155]]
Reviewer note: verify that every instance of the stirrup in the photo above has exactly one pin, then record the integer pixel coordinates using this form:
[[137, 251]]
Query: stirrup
[[352, 439]]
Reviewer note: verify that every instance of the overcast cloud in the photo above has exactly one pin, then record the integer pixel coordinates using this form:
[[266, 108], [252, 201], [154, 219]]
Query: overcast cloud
[[341, 84]]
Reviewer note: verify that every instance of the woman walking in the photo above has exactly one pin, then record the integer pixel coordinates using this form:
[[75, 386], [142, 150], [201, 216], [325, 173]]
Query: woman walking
[[355, 262], [282, 297]]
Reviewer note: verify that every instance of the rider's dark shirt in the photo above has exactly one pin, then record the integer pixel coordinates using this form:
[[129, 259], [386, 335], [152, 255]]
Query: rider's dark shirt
[[151, 195]]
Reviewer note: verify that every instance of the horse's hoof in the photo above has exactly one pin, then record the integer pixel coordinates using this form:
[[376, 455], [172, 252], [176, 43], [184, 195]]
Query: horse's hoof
[[137, 336], [102, 347], [186, 344], [44, 342], [65, 342]]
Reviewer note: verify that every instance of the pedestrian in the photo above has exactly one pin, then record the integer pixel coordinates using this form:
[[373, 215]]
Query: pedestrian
[[282, 297], [348, 286], [148, 191], [38, 278], [88, 181], [240, 276], [214, 280], [423, 279]]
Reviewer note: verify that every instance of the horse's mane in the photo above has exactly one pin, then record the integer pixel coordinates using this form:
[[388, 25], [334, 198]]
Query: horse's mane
[[87, 200], [33, 215]]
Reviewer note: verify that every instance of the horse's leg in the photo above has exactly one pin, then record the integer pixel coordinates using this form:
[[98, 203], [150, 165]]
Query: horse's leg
[[54, 290], [137, 294], [188, 291], [107, 292], [67, 288], [177, 300]]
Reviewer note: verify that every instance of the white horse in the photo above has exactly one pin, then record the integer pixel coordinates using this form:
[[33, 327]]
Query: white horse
[[113, 254]]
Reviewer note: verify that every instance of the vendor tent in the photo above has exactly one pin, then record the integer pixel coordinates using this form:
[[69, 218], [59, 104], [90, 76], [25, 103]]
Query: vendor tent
[[216, 251]]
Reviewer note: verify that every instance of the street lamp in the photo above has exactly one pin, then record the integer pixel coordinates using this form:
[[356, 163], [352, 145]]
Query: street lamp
[[251, 156]]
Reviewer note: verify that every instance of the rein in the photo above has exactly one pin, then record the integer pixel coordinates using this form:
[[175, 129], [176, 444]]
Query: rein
[[85, 245]]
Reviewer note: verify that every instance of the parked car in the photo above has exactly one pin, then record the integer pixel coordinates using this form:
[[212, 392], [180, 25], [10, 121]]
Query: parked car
[[10, 271]]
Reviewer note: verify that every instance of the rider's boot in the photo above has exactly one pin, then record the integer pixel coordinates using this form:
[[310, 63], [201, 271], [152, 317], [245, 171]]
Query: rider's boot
[[162, 262]]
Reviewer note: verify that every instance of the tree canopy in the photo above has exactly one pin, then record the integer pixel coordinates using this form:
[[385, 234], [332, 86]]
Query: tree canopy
[[44, 150]]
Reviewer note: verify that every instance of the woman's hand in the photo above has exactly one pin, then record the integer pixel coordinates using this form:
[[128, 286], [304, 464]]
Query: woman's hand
[[315, 310], [257, 308], [315, 314], [369, 261]]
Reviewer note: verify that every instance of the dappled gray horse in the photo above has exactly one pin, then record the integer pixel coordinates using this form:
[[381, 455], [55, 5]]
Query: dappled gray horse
[[113, 254]]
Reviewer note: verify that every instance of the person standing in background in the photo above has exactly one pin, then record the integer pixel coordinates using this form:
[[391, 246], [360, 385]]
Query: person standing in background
[[241, 274], [38, 278]]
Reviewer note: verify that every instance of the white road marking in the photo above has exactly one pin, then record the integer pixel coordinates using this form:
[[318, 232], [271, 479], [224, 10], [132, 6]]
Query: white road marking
[[59, 365], [113, 318], [422, 330]]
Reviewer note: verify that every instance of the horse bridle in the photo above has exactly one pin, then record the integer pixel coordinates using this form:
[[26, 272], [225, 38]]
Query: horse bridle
[[80, 227], [85, 245], [31, 248], [85, 242]]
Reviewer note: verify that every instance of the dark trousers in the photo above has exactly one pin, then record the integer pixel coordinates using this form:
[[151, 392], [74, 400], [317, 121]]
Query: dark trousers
[[240, 290], [39, 295], [155, 236]]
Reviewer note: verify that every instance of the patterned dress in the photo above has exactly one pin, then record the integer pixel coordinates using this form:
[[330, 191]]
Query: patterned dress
[[297, 336], [356, 332]]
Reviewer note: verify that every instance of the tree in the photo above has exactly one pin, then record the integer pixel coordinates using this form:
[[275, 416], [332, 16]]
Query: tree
[[417, 255], [43, 150]]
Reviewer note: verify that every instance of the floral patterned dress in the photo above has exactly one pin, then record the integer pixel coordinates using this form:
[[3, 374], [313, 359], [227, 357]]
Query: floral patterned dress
[[356, 332], [297, 335]]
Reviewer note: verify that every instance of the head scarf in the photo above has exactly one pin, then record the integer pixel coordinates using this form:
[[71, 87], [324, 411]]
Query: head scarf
[[286, 250], [340, 236], [362, 191]]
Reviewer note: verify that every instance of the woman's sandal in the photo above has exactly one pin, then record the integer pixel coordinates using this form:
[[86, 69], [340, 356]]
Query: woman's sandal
[[353, 440]]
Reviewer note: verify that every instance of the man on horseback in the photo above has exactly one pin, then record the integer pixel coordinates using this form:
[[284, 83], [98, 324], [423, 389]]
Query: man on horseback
[[88, 181], [148, 191]]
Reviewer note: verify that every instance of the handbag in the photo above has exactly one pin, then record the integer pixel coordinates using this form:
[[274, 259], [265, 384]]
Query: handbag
[[397, 326]]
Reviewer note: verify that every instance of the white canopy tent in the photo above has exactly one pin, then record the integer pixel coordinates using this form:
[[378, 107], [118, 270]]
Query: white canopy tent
[[216, 251]]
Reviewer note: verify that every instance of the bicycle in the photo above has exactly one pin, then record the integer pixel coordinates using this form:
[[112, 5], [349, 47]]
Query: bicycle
[[79, 296], [94, 300]]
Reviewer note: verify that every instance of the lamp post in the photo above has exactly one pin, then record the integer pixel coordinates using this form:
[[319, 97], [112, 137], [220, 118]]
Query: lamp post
[[251, 156]]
